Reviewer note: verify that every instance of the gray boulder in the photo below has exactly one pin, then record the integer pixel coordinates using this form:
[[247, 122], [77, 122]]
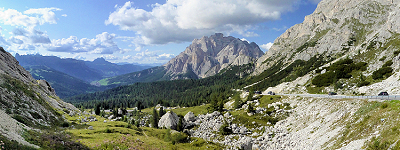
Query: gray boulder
[[90, 127], [190, 117], [169, 120]]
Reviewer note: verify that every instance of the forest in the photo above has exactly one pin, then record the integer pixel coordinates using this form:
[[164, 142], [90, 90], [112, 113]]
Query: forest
[[185, 93]]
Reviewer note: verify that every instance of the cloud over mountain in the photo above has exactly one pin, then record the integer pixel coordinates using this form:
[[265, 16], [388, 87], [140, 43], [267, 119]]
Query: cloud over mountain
[[180, 21]]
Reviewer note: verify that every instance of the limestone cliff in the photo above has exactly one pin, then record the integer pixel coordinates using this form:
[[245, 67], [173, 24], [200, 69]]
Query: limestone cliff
[[361, 29], [208, 55]]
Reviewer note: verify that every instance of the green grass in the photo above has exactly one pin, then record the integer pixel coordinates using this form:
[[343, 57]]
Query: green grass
[[183, 111], [111, 135]]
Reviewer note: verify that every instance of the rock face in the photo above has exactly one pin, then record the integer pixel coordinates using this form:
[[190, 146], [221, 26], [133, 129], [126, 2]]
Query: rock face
[[169, 120], [208, 55], [339, 29], [32, 103]]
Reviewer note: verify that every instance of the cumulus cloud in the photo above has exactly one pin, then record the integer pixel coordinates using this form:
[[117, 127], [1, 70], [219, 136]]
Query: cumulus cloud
[[267, 46], [30, 18], [102, 44], [29, 35], [149, 56], [180, 21]]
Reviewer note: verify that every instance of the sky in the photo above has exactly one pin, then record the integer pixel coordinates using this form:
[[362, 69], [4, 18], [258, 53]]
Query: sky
[[138, 31]]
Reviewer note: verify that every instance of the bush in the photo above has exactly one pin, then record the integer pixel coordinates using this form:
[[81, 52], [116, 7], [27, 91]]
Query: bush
[[65, 124], [382, 72], [383, 58], [179, 138], [395, 53], [363, 83], [325, 79], [384, 105], [388, 63], [107, 130], [224, 129]]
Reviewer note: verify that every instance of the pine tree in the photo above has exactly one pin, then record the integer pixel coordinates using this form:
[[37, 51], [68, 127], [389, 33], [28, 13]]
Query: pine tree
[[161, 112], [97, 109], [179, 127], [250, 96], [155, 118], [238, 101]]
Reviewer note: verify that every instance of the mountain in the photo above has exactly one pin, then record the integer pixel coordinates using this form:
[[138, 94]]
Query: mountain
[[26, 103], [205, 57], [64, 84], [83, 70], [361, 30], [208, 55]]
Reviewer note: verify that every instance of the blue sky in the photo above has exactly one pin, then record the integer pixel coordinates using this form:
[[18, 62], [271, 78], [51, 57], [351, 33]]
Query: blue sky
[[151, 31]]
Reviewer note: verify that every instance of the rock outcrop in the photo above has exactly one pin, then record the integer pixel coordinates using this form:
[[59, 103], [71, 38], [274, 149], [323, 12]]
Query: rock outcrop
[[30, 102], [169, 120], [208, 55]]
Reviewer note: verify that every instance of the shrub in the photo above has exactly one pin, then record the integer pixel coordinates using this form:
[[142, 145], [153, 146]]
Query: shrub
[[107, 130], [65, 124], [224, 129], [382, 72], [384, 105], [388, 63], [363, 83], [395, 53], [383, 58], [179, 138]]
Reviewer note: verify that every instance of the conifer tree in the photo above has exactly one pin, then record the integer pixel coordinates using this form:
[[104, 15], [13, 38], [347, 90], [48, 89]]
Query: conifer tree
[[155, 118]]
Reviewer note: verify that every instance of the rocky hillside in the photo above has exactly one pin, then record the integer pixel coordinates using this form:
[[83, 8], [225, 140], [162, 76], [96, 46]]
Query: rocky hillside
[[25, 102], [208, 55], [362, 30]]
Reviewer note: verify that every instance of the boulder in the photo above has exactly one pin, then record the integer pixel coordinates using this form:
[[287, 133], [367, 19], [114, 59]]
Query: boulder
[[190, 117], [169, 120], [90, 127]]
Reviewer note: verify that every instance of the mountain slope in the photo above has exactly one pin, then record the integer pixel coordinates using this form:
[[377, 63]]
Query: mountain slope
[[64, 84], [364, 31], [33, 103]]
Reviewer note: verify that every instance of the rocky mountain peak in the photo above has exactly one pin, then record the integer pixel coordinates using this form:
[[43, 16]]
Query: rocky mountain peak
[[208, 55]]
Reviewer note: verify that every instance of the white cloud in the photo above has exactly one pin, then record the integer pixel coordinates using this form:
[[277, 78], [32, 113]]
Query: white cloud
[[267, 46], [64, 15], [102, 44], [110, 57], [30, 18], [180, 21], [29, 35], [46, 15], [148, 56]]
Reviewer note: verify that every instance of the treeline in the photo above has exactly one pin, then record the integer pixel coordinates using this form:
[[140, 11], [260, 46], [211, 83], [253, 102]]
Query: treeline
[[186, 93]]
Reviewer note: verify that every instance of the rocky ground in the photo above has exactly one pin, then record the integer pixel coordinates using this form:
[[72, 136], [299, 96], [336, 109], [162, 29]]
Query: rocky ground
[[314, 123]]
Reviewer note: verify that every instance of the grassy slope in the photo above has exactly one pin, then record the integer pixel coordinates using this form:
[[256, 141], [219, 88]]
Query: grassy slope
[[125, 136]]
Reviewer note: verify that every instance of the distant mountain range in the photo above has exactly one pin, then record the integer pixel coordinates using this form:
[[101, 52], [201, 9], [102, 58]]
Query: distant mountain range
[[84, 70], [71, 77]]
